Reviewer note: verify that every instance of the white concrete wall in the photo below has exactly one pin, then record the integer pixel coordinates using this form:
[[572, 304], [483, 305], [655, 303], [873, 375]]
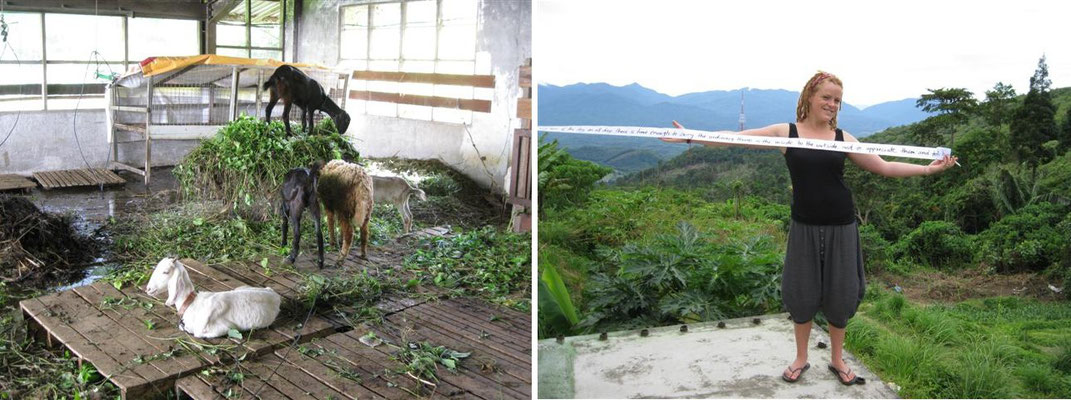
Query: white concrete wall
[[45, 140], [504, 42]]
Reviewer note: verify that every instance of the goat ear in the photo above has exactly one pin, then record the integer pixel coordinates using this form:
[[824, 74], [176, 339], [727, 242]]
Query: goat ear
[[172, 288]]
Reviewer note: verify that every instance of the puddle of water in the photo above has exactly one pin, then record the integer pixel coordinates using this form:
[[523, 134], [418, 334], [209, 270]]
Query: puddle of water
[[93, 274]]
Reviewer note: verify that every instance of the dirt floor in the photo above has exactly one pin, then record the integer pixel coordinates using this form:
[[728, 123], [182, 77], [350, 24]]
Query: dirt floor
[[929, 287]]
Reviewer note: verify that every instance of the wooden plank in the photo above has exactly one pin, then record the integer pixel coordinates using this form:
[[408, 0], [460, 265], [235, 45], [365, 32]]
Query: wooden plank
[[378, 358], [524, 108], [373, 380], [433, 326], [430, 101], [296, 383], [525, 78], [139, 128], [471, 321], [519, 319], [481, 81], [513, 371], [119, 165], [14, 182], [196, 388]]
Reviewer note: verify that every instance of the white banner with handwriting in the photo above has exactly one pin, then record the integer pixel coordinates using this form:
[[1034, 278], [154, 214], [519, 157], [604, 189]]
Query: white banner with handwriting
[[927, 153]]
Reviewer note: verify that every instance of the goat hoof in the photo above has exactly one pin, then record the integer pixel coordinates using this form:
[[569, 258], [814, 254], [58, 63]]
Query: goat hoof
[[290, 259]]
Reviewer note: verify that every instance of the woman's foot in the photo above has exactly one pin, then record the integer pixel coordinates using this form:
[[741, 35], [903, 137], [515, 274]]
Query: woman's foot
[[844, 374], [794, 371]]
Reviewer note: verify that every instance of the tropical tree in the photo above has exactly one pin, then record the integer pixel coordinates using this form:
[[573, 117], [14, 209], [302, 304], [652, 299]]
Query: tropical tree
[[953, 107], [1034, 123], [998, 106]]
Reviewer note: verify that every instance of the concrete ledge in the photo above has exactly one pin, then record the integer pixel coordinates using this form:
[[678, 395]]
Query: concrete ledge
[[741, 360]]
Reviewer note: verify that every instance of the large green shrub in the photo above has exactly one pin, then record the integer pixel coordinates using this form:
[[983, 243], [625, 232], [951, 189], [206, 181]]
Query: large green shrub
[[876, 250], [1028, 240], [564, 180], [939, 244]]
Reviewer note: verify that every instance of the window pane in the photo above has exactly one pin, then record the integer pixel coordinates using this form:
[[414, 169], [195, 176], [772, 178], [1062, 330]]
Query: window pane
[[419, 43], [24, 37], [272, 54], [383, 65], [79, 73], [386, 15], [154, 37], [233, 52], [75, 37], [20, 74], [265, 36], [354, 17], [457, 42], [354, 44], [420, 12], [230, 35], [385, 43], [459, 11]]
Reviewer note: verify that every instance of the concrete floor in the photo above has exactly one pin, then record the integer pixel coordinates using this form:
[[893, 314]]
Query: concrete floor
[[742, 360]]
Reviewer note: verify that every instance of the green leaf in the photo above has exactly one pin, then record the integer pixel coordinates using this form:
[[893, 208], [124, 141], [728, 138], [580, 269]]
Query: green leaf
[[198, 221], [264, 262], [449, 363], [233, 333]]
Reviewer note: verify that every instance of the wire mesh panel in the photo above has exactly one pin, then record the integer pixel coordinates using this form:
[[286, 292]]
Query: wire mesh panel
[[201, 95]]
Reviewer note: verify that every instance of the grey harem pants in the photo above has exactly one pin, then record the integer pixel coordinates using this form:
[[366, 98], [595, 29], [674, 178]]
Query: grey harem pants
[[823, 271]]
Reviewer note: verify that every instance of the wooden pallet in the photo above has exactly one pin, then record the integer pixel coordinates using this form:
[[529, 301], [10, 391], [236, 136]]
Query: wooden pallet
[[114, 337], [15, 182], [340, 366], [77, 177]]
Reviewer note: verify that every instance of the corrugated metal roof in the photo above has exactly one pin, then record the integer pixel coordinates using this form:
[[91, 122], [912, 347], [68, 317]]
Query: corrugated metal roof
[[263, 12]]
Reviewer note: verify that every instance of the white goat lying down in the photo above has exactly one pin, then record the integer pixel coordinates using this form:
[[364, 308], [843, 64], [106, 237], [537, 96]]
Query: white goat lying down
[[212, 314], [396, 190]]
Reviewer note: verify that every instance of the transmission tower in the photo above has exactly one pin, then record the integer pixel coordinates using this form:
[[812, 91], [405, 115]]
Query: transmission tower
[[742, 119]]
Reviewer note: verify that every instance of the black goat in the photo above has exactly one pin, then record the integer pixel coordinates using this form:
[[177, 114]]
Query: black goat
[[299, 192], [295, 88]]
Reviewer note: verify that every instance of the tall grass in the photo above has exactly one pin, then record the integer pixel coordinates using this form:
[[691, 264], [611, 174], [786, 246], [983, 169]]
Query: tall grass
[[988, 348]]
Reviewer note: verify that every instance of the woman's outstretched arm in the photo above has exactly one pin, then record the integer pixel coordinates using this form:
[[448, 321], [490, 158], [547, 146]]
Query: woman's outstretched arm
[[893, 169]]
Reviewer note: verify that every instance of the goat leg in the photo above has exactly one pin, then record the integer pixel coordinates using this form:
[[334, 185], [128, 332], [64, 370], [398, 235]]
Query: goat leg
[[315, 211], [286, 118], [364, 235], [286, 219], [296, 220], [271, 104]]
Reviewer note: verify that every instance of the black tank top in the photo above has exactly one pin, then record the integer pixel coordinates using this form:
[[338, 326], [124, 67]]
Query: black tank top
[[819, 195]]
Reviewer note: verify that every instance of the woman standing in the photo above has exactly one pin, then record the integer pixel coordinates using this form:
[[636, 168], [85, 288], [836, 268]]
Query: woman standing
[[823, 262]]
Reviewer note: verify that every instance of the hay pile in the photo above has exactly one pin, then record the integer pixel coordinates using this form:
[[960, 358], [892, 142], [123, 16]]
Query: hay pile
[[36, 246]]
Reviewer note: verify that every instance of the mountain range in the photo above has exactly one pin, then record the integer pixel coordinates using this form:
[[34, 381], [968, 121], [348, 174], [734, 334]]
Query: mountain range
[[635, 105]]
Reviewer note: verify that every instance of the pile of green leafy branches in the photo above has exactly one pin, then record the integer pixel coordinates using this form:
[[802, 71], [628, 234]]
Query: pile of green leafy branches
[[245, 163]]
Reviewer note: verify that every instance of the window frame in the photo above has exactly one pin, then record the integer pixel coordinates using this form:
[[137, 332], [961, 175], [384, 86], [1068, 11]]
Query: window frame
[[44, 62], [249, 33]]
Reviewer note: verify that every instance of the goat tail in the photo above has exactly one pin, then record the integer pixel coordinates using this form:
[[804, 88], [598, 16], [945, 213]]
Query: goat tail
[[269, 83]]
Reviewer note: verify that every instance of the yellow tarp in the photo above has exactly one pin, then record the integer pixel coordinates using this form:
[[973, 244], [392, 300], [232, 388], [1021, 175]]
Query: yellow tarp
[[159, 65]]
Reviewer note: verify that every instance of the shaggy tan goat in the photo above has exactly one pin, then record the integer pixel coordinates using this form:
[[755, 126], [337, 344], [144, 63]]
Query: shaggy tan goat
[[346, 193]]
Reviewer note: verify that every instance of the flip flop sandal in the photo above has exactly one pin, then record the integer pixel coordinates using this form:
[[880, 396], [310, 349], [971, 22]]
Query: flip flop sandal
[[793, 372], [858, 380]]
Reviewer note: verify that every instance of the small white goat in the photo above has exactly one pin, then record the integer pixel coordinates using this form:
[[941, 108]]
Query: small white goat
[[396, 190], [212, 314]]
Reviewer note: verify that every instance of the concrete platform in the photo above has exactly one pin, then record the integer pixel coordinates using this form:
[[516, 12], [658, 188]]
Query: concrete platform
[[742, 360]]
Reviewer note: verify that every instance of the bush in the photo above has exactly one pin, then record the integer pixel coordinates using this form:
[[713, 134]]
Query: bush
[[1029, 240], [875, 249], [939, 244]]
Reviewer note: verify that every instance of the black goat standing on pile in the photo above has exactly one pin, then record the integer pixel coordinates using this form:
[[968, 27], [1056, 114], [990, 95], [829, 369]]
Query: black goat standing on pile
[[295, 88], [299, 192]]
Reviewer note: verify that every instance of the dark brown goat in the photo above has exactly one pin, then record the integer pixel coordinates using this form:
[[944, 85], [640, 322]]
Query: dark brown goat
[[295, 88], [298, 193]]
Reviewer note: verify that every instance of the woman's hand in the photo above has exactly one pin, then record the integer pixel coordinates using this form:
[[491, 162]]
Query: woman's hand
[[941, 164], [676, 140]]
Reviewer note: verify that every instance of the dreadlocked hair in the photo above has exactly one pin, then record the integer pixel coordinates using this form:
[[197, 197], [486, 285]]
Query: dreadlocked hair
[[809, 89]]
